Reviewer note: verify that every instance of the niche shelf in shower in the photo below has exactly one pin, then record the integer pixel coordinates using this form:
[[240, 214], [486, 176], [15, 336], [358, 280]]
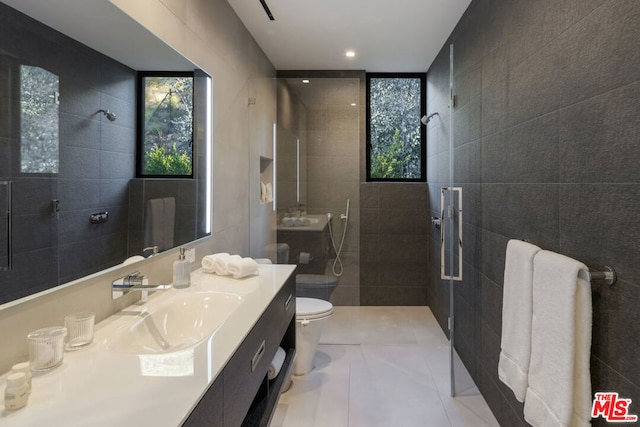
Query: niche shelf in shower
[[266, 180]]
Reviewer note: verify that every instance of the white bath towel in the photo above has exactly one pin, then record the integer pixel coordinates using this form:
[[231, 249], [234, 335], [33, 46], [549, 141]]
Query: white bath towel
[[559, 392], [209, 261], [241, 267], [160, 223], [517, 305]]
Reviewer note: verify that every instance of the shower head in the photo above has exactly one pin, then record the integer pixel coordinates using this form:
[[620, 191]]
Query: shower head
[[112, 117], [425, 119]]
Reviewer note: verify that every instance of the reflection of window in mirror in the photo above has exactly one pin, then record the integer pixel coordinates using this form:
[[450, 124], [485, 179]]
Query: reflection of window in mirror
[[39, 102], [165, 147]]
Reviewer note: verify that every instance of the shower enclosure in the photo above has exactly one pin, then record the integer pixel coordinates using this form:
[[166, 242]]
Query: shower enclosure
[[447, 193], [318, 141]]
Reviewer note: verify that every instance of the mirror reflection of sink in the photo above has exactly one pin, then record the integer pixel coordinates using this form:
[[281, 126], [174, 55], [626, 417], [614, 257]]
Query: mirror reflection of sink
[[176, 324], [299, 221]]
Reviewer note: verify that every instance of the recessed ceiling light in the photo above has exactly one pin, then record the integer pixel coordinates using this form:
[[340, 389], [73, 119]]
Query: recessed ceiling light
[[350, 54], [353, 104], [305, 80]]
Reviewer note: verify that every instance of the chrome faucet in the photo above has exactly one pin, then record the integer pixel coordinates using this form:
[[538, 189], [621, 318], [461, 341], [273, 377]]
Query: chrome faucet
[[135, 282], [154, 250]]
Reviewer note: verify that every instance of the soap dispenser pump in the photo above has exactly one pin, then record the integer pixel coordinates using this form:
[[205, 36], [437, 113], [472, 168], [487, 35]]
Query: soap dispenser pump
[[181, 272]]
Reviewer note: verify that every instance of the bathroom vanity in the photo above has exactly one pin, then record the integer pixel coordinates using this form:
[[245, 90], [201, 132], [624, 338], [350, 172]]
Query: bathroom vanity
[[220, 379], [308, 235]]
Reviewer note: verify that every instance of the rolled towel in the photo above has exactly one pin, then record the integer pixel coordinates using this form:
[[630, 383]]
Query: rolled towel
[[222, 264], [209, 261], [269, 189], [276, 363], [288, 222], [242, 267]]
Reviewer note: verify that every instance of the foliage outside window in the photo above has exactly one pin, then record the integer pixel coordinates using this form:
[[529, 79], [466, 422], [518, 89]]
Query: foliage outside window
[[396, 147], [39, 133], [166, 115]]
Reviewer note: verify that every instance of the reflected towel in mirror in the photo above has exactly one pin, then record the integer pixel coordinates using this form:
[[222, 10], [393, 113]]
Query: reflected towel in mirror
[[159, 223]]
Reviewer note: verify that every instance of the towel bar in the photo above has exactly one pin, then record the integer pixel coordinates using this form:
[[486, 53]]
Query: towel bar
[[609, 275]]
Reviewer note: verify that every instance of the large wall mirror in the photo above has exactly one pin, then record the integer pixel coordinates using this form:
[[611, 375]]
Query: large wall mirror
[[68, 146]]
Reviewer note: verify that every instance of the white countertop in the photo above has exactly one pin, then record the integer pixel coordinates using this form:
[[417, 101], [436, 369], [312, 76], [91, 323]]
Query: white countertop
[[96, 386]]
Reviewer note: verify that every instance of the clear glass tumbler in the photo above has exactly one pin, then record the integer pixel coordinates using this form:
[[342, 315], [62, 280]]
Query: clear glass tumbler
[[80, 329], [46, 348]]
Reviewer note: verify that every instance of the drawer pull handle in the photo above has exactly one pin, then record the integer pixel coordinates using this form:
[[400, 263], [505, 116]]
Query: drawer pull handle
[[287, 303], [256, 358]]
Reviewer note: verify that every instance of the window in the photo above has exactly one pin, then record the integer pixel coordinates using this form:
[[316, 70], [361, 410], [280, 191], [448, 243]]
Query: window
[[396, 148], [39, 128], [165, 147]]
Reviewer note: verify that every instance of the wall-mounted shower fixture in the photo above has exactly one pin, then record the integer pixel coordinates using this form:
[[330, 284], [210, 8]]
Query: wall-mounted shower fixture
[[112, 117], [338, 269], [425, 119]]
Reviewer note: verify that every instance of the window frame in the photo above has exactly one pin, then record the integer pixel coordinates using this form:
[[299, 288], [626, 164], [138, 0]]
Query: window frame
[[140, 129], [423, 134]]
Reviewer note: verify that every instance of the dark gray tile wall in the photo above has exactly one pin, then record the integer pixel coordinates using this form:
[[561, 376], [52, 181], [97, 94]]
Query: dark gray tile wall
[[142, 190], [393, 243], [547, 143], [97, 159]]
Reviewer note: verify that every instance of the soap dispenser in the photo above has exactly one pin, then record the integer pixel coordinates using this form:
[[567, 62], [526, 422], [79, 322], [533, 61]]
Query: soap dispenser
[[181, 272]]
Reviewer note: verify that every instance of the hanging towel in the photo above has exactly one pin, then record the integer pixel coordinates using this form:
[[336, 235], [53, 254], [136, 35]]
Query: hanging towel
[[517, 305], [160, 222], [242, 267], [209, 261], [559, 392]]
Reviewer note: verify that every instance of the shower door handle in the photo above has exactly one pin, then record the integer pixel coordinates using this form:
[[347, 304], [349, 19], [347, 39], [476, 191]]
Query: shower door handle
[[452, 212], [9, 241]]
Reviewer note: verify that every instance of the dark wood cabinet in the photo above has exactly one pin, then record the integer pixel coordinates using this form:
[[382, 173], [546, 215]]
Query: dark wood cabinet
[[242, 395], [209, 410]]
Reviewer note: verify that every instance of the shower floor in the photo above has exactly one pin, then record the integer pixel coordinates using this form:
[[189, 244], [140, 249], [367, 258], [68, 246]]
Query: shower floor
[[382, 367]]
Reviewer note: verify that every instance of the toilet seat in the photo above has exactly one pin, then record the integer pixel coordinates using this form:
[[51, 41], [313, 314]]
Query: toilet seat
[[312, 308]]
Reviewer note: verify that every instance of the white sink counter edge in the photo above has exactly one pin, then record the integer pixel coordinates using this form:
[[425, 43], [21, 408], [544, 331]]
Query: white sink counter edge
[[96, 386]]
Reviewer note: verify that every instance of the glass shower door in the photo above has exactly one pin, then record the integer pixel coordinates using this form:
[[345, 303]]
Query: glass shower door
[[451, 240]]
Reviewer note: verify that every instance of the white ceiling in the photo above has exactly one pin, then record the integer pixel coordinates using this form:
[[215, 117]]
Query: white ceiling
[[386, 35]]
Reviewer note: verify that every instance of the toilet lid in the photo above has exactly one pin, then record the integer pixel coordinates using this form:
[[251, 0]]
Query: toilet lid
[[312, 308]]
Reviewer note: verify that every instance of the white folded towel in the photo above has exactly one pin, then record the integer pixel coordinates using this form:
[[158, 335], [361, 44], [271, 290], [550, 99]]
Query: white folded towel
[[222, 264], [559, 392], [269, 189], [276, 363], [263, 192], [517, 305], [288, 222], [241, 267], [209, 261]]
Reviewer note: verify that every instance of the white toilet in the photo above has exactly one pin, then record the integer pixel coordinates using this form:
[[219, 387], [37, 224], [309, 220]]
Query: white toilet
[[311, 316]]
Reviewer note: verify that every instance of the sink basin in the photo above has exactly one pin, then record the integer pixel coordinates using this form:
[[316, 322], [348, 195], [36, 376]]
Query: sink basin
[[174, 325], [301, 221]]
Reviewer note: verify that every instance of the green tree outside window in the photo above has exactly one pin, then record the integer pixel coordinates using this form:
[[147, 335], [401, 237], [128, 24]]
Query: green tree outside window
[[168, 126]]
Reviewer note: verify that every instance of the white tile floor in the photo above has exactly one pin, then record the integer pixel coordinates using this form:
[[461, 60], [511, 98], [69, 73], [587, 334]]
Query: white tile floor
[[382, 367]]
